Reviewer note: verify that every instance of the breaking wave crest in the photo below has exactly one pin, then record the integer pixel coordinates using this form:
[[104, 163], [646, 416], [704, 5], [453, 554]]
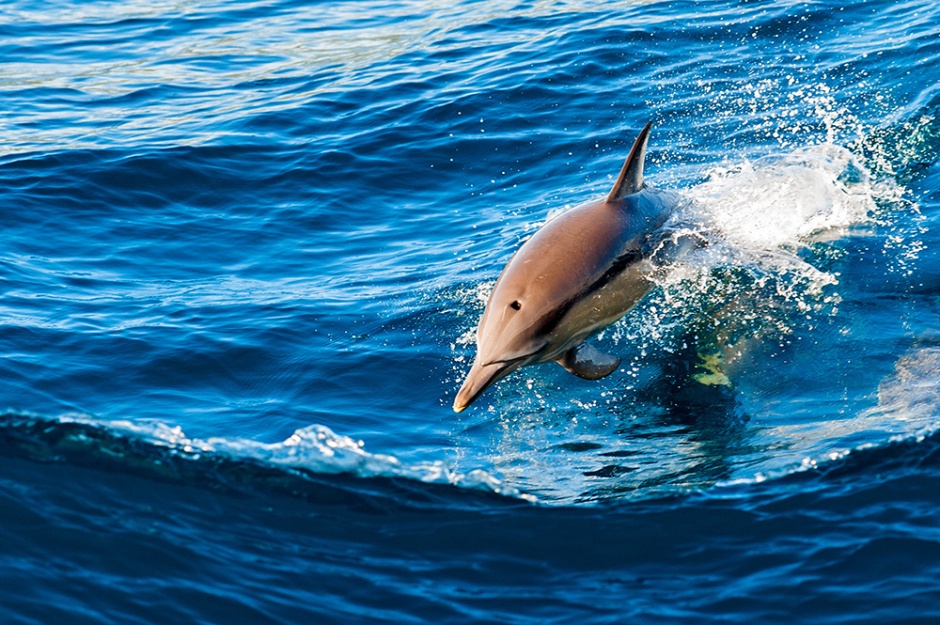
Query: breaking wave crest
[[159, 451]]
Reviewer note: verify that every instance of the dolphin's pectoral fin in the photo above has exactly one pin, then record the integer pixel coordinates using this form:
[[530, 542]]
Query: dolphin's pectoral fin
[[586, 362]]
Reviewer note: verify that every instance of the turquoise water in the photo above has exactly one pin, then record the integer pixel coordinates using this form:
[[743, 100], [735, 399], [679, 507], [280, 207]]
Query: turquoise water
[[246, 246]]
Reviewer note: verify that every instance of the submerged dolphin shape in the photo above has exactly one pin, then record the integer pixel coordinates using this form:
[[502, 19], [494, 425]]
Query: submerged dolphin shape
[[579, 273]]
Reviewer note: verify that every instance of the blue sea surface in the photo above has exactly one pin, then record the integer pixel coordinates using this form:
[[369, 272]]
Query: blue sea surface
[[245, 246]]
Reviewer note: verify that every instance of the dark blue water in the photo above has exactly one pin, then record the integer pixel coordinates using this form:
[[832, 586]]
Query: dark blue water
[[246, 245]]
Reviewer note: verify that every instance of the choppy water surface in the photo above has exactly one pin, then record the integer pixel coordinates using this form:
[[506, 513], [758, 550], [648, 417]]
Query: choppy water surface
[[246, 246]]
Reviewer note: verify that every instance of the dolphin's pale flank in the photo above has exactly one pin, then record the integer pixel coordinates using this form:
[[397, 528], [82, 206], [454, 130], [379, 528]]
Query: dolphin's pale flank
[[579, 273]]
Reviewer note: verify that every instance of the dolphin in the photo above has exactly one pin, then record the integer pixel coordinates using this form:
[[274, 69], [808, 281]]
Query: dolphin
[[578, 274]]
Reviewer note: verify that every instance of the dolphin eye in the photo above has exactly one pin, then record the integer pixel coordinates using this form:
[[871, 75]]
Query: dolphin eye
[[515, 305]]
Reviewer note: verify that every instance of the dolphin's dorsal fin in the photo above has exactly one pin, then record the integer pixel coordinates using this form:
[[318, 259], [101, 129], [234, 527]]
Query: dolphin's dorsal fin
[[630, 179]]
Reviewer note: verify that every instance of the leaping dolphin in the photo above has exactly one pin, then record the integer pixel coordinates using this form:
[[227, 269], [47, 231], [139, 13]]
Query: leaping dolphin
[[579, 273]]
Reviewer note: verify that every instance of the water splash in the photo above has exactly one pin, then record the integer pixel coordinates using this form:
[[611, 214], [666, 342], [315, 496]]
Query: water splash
[[764, 232], [781, 201]]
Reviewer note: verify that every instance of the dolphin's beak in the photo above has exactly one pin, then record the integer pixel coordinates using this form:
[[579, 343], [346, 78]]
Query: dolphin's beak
[[478, 380]]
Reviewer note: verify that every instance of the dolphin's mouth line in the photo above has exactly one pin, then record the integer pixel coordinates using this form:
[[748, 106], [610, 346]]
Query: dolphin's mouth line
[[511, 361], [508, 361], [505, 369]]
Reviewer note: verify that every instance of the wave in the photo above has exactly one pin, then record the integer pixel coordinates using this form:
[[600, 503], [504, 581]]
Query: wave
[[315, 461], [311, 458], [369, 548]]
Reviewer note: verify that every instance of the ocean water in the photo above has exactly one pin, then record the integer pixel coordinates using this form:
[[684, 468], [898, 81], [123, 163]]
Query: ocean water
[[245, 246]]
